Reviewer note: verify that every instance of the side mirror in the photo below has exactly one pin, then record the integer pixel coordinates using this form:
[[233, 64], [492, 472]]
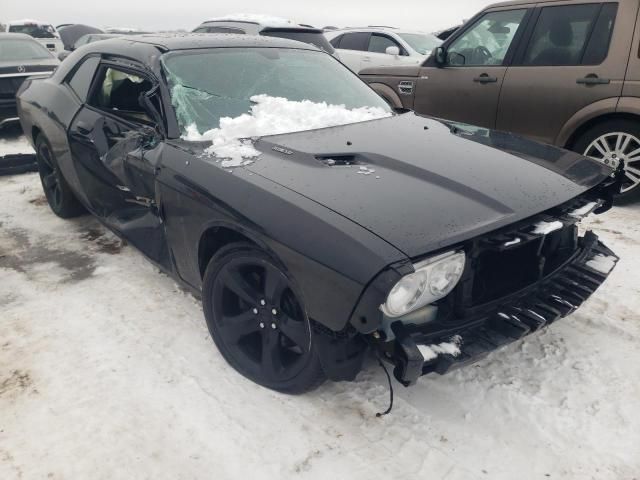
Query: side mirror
[[395, 51], [63, 54], [440, 56]]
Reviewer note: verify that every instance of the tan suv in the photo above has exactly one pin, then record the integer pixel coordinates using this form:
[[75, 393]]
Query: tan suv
[[561, 72]]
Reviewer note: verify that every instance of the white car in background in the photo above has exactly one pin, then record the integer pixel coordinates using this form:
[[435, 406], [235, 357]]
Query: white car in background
[[374, 46], [43, 32]]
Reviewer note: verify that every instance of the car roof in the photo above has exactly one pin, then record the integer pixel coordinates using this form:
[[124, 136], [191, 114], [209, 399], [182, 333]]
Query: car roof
[[28, 21], [374, 29], [188, 41], [518, 2], [145, 48], [262, 26]]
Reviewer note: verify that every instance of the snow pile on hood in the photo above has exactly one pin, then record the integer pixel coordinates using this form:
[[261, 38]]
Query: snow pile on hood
[[266, 20], [270, 116], [429, 352]]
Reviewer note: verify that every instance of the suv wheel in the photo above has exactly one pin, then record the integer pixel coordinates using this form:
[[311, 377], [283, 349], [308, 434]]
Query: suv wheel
[[611, 142], [258, 322]]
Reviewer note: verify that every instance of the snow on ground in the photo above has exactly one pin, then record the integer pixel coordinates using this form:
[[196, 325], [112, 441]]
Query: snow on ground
[[12, 142], [272, 116], [107, 371]]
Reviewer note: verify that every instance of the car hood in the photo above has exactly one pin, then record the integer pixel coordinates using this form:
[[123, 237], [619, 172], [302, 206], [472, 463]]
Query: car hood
[[423, 184]]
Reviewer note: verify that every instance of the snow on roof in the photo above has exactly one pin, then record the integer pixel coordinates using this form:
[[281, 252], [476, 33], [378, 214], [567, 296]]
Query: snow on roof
[[27, 21], [270, 116], [266, 20]]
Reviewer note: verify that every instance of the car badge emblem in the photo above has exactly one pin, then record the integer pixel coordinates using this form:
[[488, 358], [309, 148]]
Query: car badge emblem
[[21, 69], [277, 148]]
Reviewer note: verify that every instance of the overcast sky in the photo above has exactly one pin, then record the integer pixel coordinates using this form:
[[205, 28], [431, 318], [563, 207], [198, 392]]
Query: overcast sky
[[157, 14]]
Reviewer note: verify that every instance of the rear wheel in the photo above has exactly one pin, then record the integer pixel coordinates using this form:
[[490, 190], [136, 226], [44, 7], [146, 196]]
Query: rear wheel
[[61, 199], [611, 142], [258, 322]]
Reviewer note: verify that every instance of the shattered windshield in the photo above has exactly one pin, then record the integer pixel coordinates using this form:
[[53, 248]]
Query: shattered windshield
[[208, 85]]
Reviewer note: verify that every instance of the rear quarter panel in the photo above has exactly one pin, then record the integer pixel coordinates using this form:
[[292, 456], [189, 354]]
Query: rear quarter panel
[[47, 106]]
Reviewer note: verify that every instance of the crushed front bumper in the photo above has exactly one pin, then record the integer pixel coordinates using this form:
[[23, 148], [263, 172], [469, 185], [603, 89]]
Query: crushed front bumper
[[492, 326]]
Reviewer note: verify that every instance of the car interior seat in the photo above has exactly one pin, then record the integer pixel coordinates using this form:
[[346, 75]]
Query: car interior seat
[[560, 36]]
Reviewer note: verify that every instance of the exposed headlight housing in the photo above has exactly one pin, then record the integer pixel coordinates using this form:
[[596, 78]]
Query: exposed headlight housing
[[432, 280]]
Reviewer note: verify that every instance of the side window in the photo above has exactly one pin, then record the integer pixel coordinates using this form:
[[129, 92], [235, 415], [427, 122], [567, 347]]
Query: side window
[[80, 80], [561, 34], [379, 43], [118, 91], [336, 41], [598, 46], [487, 41], [355, 41], [201, 30], [225, 30]]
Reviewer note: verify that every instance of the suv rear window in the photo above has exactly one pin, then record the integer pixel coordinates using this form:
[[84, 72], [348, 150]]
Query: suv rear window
[[219, 30], [36, 31], [571, 35]]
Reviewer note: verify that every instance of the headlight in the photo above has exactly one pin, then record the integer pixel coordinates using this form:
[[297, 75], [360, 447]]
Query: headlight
[[433, 279]]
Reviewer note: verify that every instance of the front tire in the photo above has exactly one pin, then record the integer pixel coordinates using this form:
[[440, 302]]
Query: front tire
[[257, 320], [610, 142], [61, 199]]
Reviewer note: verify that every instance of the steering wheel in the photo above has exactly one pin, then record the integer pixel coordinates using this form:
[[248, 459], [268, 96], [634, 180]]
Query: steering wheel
[[482, 52]]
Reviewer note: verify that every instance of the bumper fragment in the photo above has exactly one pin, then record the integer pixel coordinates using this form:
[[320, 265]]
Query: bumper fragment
[[507, 320]]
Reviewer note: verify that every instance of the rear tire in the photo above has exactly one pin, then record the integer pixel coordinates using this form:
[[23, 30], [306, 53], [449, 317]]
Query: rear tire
[[257, 320], [61, 199], [610, 141]]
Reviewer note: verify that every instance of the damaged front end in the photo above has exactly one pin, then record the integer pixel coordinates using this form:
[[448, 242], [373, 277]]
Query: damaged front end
[[516, 280]]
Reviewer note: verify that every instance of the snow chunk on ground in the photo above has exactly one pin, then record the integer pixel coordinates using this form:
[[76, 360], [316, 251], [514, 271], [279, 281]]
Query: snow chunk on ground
[[582, 211], [429, 352], [14, 146], [271, 116], [544, 228], [266, 20], [602, 263]]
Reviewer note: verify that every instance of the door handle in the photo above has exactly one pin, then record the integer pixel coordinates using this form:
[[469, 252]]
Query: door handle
[[485, 78], [593, 79]]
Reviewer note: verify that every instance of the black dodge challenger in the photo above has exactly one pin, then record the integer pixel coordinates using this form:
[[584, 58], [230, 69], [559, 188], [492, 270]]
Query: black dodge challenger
[[467, 241]]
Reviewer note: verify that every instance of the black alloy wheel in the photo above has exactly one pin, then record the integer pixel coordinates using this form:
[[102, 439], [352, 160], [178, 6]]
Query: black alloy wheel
[[258, 322], [58, 193]]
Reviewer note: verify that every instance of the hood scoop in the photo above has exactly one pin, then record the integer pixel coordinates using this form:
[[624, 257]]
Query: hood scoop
[[341, 160]]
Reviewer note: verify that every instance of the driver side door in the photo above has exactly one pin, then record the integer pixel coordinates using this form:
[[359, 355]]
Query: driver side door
[[109, 138], [467, 87]]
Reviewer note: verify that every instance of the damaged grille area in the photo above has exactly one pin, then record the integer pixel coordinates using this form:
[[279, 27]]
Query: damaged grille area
[[503, 271], [516, 281], [491, 326], [511, 260]]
